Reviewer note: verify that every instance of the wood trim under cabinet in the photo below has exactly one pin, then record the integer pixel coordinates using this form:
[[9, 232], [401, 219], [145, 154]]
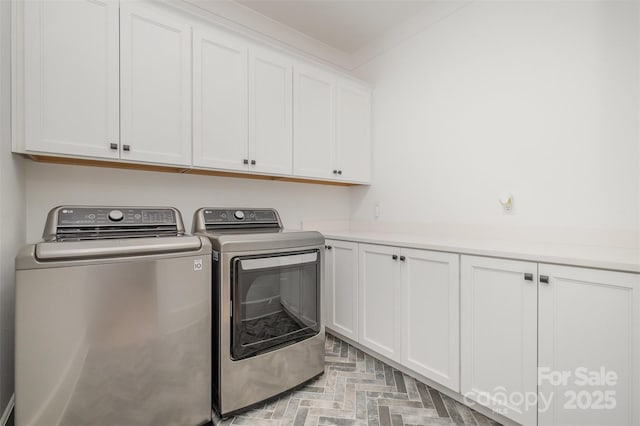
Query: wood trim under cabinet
[[174, 169]]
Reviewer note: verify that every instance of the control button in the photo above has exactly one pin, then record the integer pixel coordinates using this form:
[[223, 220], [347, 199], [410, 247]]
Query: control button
[[239, 214], [91, 216], [116, 215], [137, 216]]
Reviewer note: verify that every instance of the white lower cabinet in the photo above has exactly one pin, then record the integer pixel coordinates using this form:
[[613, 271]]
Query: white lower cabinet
[[431, 315], [557, 347], [540, 344], [341, 287], [409, 309], [588, 347], [379, 300], [499, 335]]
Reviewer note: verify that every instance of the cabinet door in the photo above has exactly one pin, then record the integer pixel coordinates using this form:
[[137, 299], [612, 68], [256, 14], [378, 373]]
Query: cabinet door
[[589, 325], [71, 77], [430, 315], [341, 292], [270, 106], [220, 113], [156, 85], [379, 305], [314, 123], [353, 144], [499, 334]]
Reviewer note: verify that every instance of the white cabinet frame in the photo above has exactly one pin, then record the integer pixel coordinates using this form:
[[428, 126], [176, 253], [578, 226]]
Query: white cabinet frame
[[270, 112], [220, 100], [589, 318], [499, 334], [341, 291], [431, 315], [57, 120], [154, 127]]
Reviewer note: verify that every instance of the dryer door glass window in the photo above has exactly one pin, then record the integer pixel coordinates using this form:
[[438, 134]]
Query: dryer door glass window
[[276, 301]]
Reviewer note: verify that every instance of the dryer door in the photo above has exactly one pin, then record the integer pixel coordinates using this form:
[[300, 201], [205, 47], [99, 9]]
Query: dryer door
[[276, 301]]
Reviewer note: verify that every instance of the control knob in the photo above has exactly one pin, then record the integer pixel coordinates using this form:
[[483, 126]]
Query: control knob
[[116, 215], [239, 214]]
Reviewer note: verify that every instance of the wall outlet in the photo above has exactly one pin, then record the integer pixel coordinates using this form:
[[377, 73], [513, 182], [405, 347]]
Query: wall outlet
[[376, 210]]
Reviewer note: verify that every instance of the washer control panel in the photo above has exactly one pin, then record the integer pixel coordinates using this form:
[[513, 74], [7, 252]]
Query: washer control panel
[[116, 215], [241, 217], [91, 216]]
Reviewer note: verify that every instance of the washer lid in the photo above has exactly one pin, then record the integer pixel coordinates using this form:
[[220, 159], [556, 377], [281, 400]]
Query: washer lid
[[74, 250]]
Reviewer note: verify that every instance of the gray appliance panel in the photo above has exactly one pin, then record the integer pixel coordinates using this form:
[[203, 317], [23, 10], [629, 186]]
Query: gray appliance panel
[[251, 380], [72, 250], [70, 253], [115, 342], [210, 218], [63, 217], [263, 241]]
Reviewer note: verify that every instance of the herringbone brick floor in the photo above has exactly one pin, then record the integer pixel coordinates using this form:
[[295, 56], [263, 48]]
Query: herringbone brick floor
[[358, 389]]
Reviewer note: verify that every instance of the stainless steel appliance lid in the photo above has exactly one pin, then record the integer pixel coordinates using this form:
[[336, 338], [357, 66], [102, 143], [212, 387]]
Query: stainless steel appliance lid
[[71, 253], [282, 240], [77, 223], [110, 248]]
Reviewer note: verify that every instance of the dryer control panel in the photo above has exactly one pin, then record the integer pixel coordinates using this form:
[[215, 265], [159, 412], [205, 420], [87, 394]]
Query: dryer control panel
[[225, 218]]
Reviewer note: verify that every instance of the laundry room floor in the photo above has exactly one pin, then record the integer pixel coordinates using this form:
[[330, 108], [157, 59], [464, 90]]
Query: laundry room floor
[[358, 389]]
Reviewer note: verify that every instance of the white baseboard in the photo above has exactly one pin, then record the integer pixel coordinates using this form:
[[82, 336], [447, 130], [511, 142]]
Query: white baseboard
[[7, 411]]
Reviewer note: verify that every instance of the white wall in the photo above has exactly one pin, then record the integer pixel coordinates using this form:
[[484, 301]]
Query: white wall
[[539, 99], [49, 185], [12, 224]]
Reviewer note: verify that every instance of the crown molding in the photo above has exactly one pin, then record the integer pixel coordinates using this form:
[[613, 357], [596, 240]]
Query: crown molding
[[253, 24], [433, 13]]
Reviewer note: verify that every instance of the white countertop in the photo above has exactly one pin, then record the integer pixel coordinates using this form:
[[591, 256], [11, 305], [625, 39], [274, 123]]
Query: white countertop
[[613, 258]]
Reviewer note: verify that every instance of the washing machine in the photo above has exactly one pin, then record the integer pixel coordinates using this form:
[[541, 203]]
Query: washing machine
[[113, 320]]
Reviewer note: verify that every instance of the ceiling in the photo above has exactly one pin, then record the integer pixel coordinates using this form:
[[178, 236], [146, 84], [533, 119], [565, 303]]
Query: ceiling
[[346, 25]]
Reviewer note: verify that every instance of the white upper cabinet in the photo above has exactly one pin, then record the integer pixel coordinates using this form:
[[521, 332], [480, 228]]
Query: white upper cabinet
[[379, 307], [220, 100], [155, 78], [430, 315], [589, 325], [499, 334], [270, 112], [341, 292], [332, 126], [314, 122], [71, 77], [140, 81], [353, 135]]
